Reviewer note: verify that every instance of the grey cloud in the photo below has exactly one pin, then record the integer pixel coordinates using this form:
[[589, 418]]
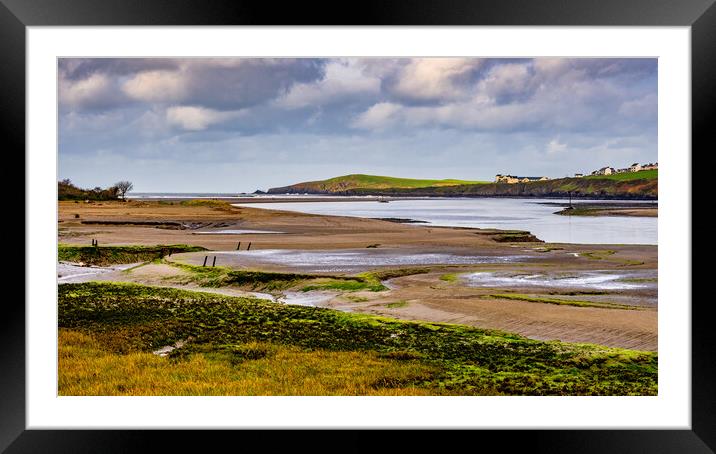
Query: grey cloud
[[81, 68], [222, 84], [469, 119]]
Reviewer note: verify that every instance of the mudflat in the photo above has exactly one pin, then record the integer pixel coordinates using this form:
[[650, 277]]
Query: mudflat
[[536, 288]]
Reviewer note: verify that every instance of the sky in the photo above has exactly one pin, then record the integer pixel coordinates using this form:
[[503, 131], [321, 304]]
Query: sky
[[241, 124]]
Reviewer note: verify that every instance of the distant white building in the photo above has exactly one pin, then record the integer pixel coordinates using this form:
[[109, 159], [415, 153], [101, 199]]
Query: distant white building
[[650, 166], [635, 167], [511, 179], [604, 171], [578, 175]]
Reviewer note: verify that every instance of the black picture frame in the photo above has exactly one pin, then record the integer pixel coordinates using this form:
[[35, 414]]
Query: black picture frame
[[16, 15]]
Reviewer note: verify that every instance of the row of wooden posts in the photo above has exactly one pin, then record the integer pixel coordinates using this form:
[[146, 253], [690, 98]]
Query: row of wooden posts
[[238, 247], [213, 263]]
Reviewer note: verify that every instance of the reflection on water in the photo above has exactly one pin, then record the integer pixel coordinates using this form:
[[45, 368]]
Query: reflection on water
[[500, 213], [598, 280], [316, 299], [73, 273], [349, 260]]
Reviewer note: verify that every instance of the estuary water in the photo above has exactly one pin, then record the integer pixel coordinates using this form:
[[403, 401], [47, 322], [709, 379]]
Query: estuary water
[[500, 213]]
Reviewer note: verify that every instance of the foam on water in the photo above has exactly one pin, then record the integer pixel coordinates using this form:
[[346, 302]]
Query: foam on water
[[313, 299], [327, 260], [588, 280], [73, 273]]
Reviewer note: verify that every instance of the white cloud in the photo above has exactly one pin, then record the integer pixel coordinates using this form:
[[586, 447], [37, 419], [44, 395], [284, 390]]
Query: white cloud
[[84, 91], [555, 146], [507, 79], [194, 118], [379, 116], [435, 78], [551, 67], [342, 79], [156, 86]]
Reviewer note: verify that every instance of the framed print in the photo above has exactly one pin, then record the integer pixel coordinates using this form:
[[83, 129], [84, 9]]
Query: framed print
[[424, 217]]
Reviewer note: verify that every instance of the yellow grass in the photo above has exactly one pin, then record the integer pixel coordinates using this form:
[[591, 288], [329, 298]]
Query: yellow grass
[[86, 369]]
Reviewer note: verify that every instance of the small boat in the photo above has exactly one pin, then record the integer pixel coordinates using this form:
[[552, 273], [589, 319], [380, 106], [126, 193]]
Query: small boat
[[382, 201]]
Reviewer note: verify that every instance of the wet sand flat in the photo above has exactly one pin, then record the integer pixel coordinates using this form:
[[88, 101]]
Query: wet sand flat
[[325, 244], [427, 297]]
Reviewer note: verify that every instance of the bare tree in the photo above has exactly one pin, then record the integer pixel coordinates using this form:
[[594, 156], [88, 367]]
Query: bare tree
[[123, 187]]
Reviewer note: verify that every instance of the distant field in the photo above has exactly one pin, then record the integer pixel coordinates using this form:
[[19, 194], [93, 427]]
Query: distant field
[[643, 175], [375, 181], [369, 182]]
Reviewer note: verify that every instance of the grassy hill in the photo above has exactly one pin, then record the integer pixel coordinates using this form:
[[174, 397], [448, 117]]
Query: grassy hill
[[366, 182], [636, 185], [628, 176]]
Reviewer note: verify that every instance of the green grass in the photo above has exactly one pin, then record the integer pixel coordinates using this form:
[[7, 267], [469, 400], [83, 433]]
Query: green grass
[[449, 277], [219, 276], [597, 255], [394, 273], [521, 237], [397, 304], [128, 319], [603, 254], [205, 203], [639, 279], [355, 298], [108, 255], [370, 281], [344, 286], [548, 249], [383, 182], [361, 181], [561, 302], [85, 368], [580, 212], [627, 176]]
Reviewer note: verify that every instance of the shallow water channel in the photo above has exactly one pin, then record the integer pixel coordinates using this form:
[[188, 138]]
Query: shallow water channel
[[346, 260], [589, 280], [532, 214]]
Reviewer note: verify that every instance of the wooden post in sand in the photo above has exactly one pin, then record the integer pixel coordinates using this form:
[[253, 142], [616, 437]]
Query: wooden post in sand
[[205, 257], [249, 246], [214, 262], [239, 246]]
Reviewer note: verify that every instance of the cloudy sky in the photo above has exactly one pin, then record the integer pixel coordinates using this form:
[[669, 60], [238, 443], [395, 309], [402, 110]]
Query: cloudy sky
[[234, 125]]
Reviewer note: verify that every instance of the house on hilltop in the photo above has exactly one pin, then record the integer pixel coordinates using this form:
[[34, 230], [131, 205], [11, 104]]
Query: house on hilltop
[[635, 167], [511, 179], [650, 166], [604, 171]]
